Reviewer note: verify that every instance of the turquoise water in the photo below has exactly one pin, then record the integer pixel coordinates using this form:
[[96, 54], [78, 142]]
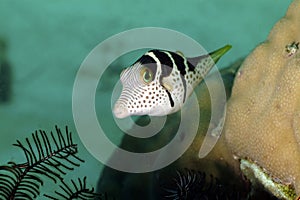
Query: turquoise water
[[48, 40]]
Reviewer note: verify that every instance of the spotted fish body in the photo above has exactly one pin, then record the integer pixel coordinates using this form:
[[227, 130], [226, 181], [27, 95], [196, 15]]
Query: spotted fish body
[[160, 82]]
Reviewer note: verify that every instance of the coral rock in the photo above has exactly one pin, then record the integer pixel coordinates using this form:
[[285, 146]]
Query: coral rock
[[263, 120]]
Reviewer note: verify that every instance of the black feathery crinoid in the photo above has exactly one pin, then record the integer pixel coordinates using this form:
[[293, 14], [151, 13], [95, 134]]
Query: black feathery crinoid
[[184, 185], [47, 156], [78, 191], [194, 185]]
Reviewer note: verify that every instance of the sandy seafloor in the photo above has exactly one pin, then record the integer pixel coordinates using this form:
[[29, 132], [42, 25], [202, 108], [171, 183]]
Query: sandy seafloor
[[48, 40]]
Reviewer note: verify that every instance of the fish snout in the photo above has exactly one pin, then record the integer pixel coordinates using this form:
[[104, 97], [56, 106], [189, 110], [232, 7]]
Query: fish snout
[[120, 111]]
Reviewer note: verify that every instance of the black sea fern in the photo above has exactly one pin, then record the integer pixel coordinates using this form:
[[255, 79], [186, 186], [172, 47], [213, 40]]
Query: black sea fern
[[184, 184], [193, 185], [44, 158], [76, 191]]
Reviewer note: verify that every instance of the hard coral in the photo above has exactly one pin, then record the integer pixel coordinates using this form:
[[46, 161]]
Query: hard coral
[[263, 119]]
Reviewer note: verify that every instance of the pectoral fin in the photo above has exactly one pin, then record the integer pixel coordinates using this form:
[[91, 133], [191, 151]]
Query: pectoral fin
[[167, 83]]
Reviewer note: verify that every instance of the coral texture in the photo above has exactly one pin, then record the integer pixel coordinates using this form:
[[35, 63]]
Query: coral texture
[[263, 119]]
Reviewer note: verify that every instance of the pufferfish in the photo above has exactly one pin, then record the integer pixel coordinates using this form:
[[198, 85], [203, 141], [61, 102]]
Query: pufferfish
[[160, 82]]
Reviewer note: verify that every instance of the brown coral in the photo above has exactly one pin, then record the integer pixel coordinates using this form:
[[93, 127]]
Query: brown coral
[[263, 119]]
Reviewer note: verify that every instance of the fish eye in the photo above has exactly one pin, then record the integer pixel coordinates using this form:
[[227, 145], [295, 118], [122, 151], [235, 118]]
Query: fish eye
[[146, 75]]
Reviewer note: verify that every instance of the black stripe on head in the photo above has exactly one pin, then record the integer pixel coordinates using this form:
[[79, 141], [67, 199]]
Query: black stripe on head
[[165, 60], [166, 63], [170, 98], [149, 62], [166, 68], [179, 62]]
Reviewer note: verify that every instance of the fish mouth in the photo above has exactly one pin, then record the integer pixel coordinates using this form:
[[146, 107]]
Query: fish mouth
[[120, 111]]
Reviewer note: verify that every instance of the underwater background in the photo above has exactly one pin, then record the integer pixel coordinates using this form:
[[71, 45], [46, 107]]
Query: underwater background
[[46, 42]]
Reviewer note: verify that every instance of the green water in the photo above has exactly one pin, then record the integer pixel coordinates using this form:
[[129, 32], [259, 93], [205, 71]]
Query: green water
[[48, 40]]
